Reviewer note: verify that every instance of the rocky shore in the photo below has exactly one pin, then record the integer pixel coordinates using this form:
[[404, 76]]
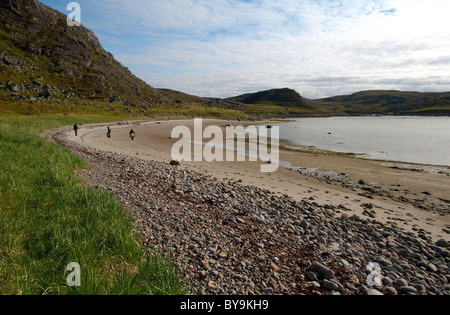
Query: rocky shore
[[371, 190], [228, 238]]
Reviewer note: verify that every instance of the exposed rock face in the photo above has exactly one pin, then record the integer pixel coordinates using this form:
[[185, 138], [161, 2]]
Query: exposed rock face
[[39, 48]]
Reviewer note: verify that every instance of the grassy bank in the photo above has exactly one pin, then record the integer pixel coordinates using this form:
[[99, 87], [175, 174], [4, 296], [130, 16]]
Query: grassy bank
[[49, 219], [79, 108]]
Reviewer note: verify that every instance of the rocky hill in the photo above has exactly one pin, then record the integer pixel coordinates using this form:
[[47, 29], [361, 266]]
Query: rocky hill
[[283, 97], [42, 58], [387, 102]]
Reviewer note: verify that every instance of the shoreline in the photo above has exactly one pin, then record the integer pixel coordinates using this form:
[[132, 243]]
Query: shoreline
[[289, 146], [298, 146], [394, 195], [231, 238]]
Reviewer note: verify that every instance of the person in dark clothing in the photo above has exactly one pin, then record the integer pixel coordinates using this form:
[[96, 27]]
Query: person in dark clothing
[[75, 128], [109, 132], [132, 134]]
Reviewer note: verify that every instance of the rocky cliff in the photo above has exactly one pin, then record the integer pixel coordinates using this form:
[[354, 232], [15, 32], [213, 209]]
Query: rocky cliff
[[42, 58]]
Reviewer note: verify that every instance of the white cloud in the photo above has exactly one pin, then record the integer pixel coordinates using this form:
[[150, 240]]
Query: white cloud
[[320, 48]]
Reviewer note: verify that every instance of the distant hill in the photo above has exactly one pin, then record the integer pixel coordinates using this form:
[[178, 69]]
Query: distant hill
[[386, 102], [44, 61], [42, 58], [282, 97], [288, 102]]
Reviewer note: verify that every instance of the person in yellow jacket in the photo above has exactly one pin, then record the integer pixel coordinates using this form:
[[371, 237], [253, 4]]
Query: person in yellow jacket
[[132, 134]]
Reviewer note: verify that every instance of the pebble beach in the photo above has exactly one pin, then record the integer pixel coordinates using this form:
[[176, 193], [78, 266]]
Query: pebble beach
[[231, 238]]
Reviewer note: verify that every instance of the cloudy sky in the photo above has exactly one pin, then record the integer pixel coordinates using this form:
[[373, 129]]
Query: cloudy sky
[[320, 48]]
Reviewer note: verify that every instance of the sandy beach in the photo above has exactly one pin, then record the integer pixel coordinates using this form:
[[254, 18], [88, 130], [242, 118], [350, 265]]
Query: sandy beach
[[414, 200]]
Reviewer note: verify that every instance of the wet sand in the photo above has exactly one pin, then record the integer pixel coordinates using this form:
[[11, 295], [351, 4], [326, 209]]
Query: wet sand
[[414, 200]]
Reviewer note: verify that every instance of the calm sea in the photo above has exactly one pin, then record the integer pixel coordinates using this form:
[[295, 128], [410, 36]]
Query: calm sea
[[423, 140]]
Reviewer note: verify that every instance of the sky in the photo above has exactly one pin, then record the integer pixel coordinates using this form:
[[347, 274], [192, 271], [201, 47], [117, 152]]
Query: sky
[[320, 48]]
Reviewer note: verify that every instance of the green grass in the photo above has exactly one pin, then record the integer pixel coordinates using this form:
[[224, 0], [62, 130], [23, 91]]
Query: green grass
[[49, 218], [196, 110], [114, 112], [441, 111], [276, 110]]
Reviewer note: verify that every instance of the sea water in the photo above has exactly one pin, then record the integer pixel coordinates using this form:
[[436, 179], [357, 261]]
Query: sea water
[[422, 140]]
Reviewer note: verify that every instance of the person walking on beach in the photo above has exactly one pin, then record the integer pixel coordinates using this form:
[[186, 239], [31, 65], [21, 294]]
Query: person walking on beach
[[132, 134], [75, 128], [109, 132]]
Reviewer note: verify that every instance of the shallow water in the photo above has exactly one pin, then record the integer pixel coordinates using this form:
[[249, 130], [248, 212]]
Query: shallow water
[[423, 140]]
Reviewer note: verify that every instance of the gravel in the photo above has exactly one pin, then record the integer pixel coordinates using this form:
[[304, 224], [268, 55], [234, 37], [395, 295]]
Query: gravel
[[228, 238]]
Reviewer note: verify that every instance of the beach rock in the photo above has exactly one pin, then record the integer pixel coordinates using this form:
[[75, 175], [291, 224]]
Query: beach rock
[[304, 224], [387, 281], [311, 276], [408, 289], [390, 291], [212, 285], [401, 282], [384, 262], [323, 271], [268, 291], [370, 213], [332, 285]]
